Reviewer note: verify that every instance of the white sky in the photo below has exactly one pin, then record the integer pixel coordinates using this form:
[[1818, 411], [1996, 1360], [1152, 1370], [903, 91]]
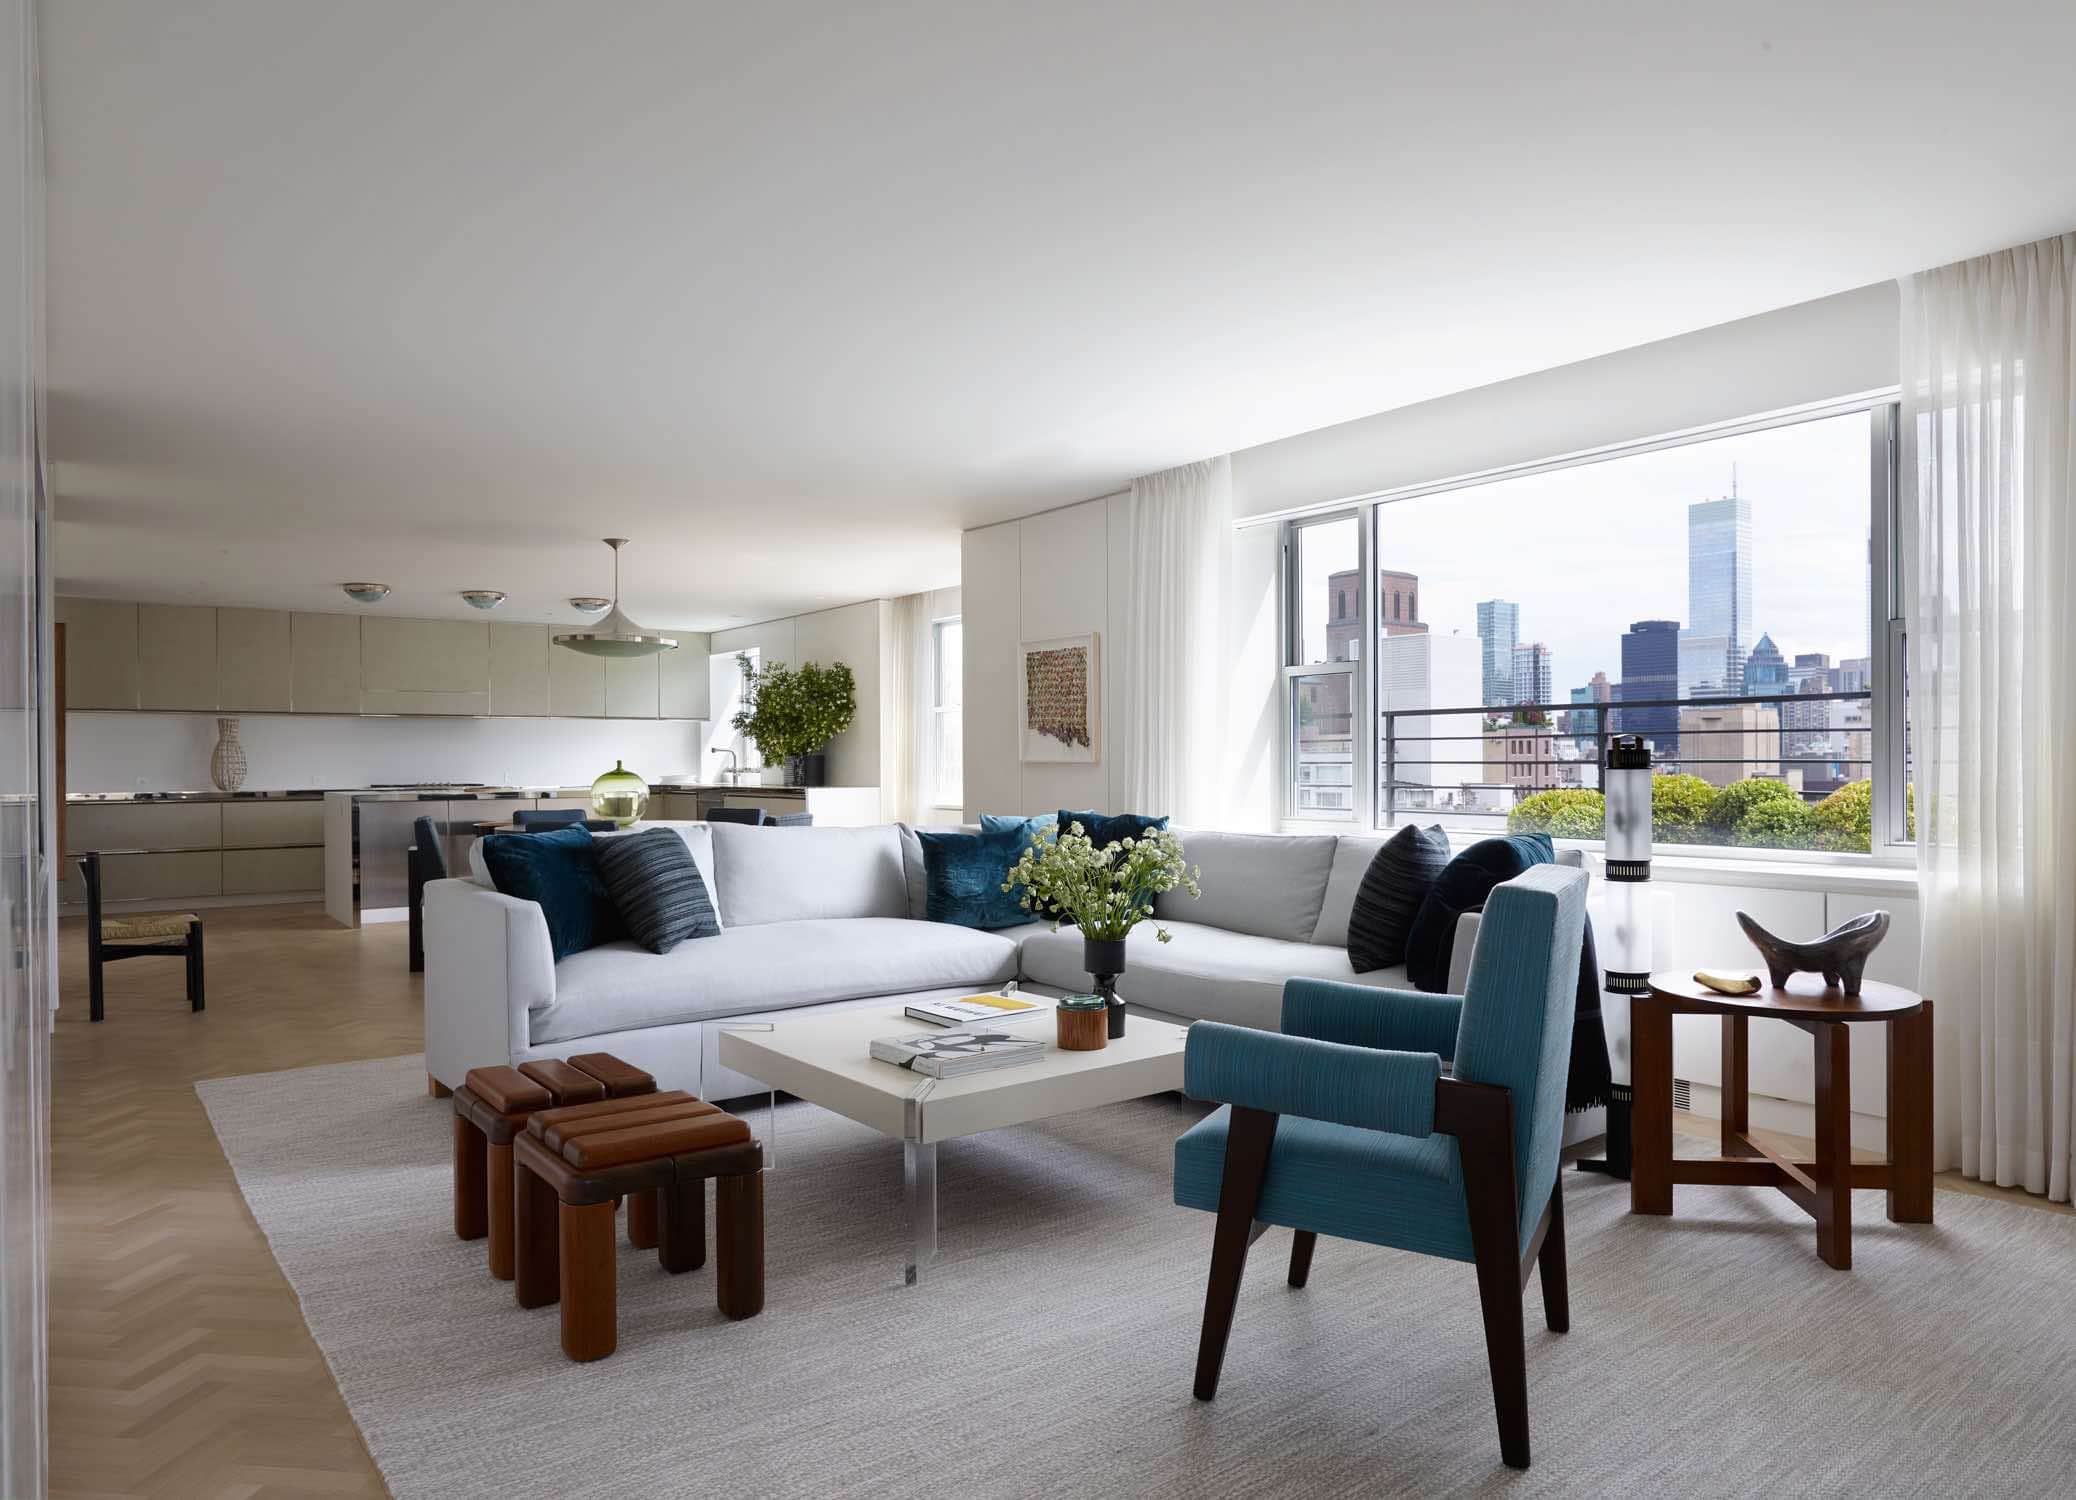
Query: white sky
[[1586, 550]]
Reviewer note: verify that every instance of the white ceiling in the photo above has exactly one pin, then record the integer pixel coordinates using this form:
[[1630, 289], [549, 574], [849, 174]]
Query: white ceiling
[[438, 294]]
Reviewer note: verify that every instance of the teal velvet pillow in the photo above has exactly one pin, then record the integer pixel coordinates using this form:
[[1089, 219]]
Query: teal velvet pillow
[[963, 875], [559, 872], [1103, 830], [1039, 825]]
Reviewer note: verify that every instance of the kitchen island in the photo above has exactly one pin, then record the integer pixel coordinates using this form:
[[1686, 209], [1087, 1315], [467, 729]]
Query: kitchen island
[[368, 832]]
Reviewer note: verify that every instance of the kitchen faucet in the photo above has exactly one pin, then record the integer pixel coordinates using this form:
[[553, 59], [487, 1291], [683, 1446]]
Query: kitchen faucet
[[734, 770]]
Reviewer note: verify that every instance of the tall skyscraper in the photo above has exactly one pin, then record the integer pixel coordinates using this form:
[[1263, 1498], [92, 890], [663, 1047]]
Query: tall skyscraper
[[1650, 671], [1531, 673], [1719, 576], [1499, 631]]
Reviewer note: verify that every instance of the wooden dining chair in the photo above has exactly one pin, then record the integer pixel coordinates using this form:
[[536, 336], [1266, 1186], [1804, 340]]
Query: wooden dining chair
[[155, 935]]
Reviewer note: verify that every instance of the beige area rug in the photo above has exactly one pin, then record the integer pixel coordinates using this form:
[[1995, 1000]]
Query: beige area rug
[[1051, 1353]]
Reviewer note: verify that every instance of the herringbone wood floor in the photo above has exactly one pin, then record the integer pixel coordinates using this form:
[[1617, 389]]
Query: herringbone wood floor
[[179, 1360], [180, 1364]]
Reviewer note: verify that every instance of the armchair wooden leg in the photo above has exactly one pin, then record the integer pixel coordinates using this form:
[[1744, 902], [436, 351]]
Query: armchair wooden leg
[[1248, 1139], [1550, 1262], [1499, 1290], [1301, 1249], [195, 996], [1484, 1126]]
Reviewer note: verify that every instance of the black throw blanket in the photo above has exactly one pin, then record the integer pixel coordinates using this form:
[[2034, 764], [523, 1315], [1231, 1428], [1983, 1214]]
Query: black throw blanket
[[1590, 1083]]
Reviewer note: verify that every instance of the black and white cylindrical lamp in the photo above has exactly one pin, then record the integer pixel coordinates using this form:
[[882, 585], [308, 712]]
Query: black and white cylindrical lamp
[[1625, 952]]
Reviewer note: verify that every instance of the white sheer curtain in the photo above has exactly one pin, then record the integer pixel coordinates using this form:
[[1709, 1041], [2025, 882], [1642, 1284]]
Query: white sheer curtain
[[1174, 647], [1989, 446]]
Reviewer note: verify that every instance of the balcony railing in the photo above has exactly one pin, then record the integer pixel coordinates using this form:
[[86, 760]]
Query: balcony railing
[[1473, 766]]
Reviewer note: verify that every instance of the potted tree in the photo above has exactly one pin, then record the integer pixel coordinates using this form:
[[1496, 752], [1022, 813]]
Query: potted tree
[[794, 712], [1105, 892]]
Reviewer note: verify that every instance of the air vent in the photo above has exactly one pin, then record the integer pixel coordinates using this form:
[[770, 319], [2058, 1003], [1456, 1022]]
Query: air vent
[[1681, 1093]]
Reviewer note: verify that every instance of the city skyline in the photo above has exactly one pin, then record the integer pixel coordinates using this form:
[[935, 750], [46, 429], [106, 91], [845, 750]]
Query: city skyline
[[1578, 590]]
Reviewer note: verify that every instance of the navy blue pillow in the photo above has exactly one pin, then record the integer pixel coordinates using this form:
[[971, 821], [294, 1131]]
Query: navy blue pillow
[[559, 871], [1462, 886], [963, 875], [1103, 830]]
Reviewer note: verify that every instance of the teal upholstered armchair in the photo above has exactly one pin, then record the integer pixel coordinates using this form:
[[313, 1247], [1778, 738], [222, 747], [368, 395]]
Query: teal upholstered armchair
[[1344, 1124]]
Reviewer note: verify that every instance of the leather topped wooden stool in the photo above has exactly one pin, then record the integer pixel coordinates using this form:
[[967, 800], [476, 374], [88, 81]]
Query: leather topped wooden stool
[[571, 1164], [493, 1106]]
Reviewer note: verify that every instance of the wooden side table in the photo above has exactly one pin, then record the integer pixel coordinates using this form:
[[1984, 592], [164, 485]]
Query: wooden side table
[[1823, 1188]]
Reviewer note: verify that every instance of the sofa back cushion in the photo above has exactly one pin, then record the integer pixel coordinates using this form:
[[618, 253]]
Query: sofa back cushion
[[804, 874], [1352, 855], [1268, 884]]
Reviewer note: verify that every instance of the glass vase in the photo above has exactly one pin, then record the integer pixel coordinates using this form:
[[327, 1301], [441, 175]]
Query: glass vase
[[620, 795]]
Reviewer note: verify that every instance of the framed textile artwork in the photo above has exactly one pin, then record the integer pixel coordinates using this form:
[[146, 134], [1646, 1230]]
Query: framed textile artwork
[[1058, 693]]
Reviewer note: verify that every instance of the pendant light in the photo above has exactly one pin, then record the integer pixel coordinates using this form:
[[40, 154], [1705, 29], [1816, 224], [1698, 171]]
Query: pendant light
[[616, 635]]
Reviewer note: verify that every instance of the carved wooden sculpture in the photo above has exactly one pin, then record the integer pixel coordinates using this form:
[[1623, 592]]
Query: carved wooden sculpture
[[1839, 955]]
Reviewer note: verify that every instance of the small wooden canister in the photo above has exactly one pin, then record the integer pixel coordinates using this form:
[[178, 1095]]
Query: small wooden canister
[[1083, 1029]]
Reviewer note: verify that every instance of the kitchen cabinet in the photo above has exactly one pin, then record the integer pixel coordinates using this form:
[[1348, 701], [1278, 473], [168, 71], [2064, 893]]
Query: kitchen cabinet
[[424, 656], [630, 687], [272, 872], [142, 825], [100, 654], [519, 670], [325, 663], [252, 661], [576, 684], [273, 825], [161, 877], [682, 691], [424, 667], [176, 656]]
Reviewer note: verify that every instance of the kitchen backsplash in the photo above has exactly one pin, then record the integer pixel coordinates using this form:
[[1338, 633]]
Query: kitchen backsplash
[[129, 752]]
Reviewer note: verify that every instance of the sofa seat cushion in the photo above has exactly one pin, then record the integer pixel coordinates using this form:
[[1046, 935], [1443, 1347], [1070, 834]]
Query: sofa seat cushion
[[763, 967], [1205, 974]]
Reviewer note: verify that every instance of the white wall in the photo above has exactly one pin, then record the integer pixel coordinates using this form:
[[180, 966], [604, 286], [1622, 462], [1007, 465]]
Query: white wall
[[1062, 573], [853, 634], [1814, 351], [160, 752]]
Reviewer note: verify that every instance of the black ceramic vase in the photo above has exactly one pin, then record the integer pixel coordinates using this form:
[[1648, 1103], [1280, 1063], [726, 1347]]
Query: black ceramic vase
[[1105, 960], [808, 770]]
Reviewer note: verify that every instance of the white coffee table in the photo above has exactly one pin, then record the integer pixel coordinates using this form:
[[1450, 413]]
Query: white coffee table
[[825, 1060]]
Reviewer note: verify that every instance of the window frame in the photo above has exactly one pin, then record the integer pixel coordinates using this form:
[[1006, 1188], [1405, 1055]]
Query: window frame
[[1361, 809], [1889, 843], [940, 711]]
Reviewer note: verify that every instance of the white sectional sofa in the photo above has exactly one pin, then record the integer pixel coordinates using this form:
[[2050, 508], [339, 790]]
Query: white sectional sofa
[[822, 917]]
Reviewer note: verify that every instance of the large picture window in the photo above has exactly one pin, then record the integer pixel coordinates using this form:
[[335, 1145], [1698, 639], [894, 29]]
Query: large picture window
[[1726, 597]]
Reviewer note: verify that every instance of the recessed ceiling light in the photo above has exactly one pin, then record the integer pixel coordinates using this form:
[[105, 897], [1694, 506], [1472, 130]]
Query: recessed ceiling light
[[590, 604], [366, 593], [482, 598]]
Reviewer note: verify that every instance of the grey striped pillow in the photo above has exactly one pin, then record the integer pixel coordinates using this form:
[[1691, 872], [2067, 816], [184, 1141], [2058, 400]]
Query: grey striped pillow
[[652, 879], [1390, 896]]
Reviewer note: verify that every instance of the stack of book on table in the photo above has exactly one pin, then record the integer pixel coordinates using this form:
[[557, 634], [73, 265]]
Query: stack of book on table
[[954, 1054], [970, 1010]]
